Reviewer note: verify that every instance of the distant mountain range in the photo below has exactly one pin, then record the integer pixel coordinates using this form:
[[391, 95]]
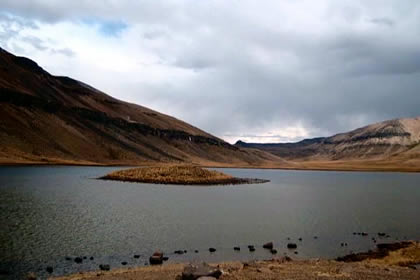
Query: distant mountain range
[[393, 143], [51, 119], [46, 119]]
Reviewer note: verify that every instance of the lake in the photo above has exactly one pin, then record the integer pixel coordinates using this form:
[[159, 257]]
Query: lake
[[53, 212]]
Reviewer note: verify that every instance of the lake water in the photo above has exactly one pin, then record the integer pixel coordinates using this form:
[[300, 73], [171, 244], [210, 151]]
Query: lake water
[[50, 213]]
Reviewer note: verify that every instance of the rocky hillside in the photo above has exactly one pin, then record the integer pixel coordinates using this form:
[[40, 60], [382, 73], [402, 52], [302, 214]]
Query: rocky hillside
[[398, 138], [46, 118]]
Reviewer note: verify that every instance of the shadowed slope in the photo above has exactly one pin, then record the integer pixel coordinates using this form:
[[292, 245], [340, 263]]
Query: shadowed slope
[[44, 118]]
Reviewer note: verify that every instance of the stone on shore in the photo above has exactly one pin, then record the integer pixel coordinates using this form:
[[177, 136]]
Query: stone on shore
[[104, 267], [291, 246], [156, 258], [195, 271]]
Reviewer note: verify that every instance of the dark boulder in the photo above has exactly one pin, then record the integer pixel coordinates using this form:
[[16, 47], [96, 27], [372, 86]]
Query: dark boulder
[[196, 251], [136, 256], [212, 250], [268, 245], [78, 260], [193, 272], [104, 267], [273, 251], [382, 234], [237, 248], [124, 263], [165, 259], [300, 239], [179, 252], [91, 258], [291, 246], [156, 258], [49, 269]]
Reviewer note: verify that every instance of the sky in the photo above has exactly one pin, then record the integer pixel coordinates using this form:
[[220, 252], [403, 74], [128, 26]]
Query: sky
[[259, 71]]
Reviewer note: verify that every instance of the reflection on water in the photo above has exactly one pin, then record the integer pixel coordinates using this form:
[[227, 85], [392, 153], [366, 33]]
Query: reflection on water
[[48, 213]]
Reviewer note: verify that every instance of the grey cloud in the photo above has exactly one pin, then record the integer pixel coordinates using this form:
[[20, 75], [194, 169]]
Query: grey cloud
[[259, 66], [383, 21], [66, 51]]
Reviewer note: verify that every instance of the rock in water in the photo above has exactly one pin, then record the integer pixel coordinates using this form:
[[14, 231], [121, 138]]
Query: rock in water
[[78, 260], [291, 245], [193, 272], [104, 267], [50, 269], [212, 250], [156, 258], [268, 245]]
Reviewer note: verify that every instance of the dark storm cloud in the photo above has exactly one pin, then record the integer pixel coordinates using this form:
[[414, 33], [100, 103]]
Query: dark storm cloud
[[270, 69]]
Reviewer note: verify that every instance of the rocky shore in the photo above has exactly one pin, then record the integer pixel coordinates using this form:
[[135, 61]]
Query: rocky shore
[[178, 175], [388, 261]]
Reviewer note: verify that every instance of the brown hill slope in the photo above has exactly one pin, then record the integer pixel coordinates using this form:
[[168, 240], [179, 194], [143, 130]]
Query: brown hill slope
[[388, 145], [45, 118]]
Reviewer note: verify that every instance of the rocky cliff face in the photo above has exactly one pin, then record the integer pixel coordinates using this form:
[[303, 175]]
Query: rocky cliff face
[[376, 141], [49, 118]]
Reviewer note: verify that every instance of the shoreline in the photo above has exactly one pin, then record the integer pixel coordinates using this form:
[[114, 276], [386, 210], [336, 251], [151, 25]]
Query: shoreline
[[395, 261], [322, 167]]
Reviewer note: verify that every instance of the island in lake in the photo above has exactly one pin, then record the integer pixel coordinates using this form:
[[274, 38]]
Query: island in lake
[[178, 175]]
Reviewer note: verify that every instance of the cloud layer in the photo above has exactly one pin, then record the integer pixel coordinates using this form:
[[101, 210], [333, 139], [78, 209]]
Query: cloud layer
[[264, 71]]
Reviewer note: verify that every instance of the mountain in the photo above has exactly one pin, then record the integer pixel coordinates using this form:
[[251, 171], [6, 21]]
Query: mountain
[[386, 145], [52, 119]]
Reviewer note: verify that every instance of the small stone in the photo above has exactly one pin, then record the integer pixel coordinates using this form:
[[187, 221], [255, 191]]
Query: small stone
[[91, 258], [124, 263], [104, 267], [49, 269], [78, 260], [300, 238], [31, 276], [196, 251], [212, 250], [268, 245], [291, 245], [273, 251], [179, 252], [156, 258], [237, 248], [68, 258], [136, 256]]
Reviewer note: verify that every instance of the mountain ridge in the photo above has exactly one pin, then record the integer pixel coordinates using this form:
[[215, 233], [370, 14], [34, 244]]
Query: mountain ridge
[[53, 119], [375, 141]]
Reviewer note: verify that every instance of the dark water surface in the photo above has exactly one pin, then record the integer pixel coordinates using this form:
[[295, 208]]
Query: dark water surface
[[48, 213]]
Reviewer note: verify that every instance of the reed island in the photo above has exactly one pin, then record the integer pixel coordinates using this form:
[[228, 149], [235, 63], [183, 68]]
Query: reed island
[[178, 175]]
